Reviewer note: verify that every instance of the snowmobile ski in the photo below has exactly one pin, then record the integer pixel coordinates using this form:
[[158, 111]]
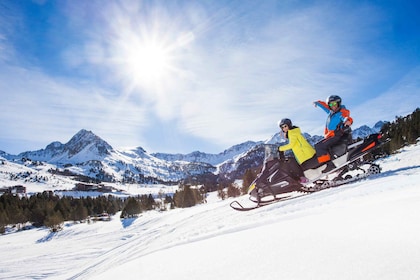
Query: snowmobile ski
[[239, 207]]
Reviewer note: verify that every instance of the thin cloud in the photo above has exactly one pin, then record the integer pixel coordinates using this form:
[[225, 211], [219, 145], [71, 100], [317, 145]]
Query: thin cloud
[[252, 83], [225, 72], [51, 109]]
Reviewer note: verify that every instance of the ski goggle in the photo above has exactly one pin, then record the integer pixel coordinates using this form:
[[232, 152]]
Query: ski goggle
[[333, 104]]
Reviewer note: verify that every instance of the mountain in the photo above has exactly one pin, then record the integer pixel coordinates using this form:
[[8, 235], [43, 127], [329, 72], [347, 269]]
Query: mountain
[[364, 130], [86, 154], [213, 159], [82, 147], [278, 139]]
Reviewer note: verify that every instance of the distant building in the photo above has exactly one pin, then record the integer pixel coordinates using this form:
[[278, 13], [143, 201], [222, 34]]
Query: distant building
[[92, 187], [18, 189]]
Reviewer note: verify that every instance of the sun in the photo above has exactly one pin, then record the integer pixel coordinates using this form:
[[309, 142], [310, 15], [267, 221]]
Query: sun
[[148, 63], [146, 54], [143, 61]]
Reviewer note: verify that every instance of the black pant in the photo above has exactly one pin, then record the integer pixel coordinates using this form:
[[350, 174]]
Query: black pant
[[311, 163], [292, 167], [322, 148]]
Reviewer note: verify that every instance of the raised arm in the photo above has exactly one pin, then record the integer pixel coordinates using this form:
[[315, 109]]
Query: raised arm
[[322, 105]]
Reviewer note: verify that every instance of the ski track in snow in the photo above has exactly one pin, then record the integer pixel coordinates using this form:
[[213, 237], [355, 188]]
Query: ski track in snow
[[82, 251]]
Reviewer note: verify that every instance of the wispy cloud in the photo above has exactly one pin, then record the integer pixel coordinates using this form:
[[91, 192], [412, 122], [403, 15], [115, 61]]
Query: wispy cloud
[[47, 109], [230, 71]]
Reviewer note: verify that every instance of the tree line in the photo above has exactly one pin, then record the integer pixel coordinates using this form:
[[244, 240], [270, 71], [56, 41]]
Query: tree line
[[50, 210], [403, 131]]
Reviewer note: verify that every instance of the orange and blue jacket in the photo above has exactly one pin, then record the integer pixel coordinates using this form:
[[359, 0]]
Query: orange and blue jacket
[[335, 120]]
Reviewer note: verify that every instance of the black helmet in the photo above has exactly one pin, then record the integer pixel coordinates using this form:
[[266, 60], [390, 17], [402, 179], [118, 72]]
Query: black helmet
[[285, 121], [334, 98]]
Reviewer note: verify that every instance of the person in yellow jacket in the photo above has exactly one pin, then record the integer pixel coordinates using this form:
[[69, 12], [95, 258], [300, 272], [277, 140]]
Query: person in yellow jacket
[[300, 147]]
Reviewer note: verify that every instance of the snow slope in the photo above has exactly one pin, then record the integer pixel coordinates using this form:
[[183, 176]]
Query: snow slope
[[365, 230]]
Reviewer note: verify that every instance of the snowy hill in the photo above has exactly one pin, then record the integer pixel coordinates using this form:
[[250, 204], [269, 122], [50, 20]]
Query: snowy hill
[[364, 230]]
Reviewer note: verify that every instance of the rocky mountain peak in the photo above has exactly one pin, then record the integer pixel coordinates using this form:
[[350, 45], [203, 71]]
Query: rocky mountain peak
[[86, 140]]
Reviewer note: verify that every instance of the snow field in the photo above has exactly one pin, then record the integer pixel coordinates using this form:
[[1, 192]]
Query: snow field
[[365, 230]]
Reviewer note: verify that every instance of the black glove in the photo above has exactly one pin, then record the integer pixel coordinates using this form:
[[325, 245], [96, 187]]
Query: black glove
[[281, 156], [346, 129]]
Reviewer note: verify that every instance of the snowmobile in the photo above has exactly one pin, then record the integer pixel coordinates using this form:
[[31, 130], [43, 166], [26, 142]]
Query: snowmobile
[[277, 182]]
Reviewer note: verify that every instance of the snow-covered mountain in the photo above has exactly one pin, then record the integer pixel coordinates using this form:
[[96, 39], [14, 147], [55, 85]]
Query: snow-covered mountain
[[213, 159], [279, 139], [88, 155], [364, 130], [83, 146]]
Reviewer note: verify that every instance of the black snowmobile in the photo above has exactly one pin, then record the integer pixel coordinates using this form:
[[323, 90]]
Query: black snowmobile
[[277, 180]]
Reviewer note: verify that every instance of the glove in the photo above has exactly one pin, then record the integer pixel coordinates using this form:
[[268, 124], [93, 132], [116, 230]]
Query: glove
[[281, 156], [346, 129]]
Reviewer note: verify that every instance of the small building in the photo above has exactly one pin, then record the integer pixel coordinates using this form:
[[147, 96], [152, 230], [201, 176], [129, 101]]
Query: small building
[[18, 189]]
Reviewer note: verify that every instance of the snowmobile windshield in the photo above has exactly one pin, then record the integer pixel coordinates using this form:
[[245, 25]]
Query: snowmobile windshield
[[271, 152]]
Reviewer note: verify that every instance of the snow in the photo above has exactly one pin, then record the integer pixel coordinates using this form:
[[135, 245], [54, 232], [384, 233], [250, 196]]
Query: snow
[[365, 230]]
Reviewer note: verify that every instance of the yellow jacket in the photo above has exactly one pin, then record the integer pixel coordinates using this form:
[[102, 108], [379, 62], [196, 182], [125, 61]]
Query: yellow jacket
[[298, 144]]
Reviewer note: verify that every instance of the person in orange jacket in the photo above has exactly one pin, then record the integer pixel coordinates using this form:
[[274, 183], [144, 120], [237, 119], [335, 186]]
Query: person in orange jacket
[[338, 118]]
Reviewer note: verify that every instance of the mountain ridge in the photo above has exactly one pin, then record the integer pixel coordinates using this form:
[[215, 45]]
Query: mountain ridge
[[89, 155]]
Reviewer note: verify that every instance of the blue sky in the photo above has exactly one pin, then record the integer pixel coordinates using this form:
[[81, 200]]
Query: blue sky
[[179, 76]]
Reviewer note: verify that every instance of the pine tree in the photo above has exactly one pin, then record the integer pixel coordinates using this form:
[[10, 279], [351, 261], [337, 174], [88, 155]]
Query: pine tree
[[79, 212], [3, 221], [54, 221], [247, 180], [221, 192], [63, 206], [187, 197], [233, 191], [131, 209], [403, 131]]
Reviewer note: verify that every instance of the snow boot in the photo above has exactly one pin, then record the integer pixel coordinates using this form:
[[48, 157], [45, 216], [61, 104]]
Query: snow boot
[[303, 180]]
